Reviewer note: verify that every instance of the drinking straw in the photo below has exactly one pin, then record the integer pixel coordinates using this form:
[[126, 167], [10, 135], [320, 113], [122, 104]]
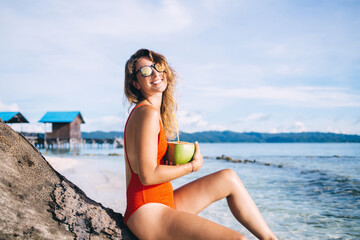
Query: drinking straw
[[177, 128]]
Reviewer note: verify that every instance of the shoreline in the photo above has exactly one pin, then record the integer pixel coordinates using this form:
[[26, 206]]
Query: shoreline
[[102, 181], [61, 164]]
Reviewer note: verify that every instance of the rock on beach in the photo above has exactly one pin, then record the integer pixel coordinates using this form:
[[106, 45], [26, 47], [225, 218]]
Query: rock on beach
[[39, 203], [230, 159]]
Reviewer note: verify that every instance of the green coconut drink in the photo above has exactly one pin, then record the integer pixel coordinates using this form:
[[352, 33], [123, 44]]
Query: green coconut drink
[[180, 152]]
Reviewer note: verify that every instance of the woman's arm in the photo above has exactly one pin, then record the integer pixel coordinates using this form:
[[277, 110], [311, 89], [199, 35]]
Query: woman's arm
[[146, 140]]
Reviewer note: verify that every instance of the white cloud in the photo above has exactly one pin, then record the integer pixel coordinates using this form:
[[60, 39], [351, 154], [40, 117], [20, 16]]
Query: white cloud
[[273, 130], [299, 127], [286, 69], [68, 24], [223, 73], [294, 96], [194, 122], [278, 50], [106, 123], [339, 131], [257, 117], [132, 18], [79, 44], [251, 118], [13, 107]]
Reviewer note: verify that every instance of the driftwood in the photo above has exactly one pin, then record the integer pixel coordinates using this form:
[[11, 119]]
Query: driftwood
[[36, 202]]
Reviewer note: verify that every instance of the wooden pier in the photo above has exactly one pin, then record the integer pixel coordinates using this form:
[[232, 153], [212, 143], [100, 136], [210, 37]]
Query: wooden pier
[[64, 143]]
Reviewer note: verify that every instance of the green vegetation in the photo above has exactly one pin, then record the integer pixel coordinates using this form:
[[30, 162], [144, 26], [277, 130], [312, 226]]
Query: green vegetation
[[228, 136], [232, 137]]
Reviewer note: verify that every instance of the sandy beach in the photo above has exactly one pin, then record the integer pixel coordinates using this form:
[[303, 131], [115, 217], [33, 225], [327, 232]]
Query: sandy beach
[[102, 181]]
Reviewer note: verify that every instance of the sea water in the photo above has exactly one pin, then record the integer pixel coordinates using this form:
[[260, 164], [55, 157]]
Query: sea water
[[303, 190]]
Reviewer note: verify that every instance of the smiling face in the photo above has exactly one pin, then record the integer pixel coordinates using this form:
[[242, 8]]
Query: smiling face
[[155, 83], [138, 88]]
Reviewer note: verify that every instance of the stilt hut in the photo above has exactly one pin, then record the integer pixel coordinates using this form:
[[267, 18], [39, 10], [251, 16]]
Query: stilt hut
[[65, 128], [13, 117]]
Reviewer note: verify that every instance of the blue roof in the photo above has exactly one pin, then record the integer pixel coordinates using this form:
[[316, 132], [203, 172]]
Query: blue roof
[[13, 117], [6, 116], [60, 117]]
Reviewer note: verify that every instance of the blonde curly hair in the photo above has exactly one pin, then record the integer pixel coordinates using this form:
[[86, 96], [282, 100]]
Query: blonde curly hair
[[168, 103]]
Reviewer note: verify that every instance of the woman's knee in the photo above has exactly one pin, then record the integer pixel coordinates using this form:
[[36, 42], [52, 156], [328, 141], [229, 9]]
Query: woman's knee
[[230, 176]]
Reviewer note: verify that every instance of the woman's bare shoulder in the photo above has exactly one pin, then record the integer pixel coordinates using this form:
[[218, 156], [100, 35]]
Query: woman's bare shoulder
[[146, 113]]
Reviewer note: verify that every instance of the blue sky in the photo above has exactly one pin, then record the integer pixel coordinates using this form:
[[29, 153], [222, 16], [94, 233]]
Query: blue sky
[[265, 66]]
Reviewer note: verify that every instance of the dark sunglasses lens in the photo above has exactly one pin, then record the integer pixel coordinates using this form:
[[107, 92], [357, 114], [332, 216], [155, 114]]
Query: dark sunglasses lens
[[146, 71], [159, 67]]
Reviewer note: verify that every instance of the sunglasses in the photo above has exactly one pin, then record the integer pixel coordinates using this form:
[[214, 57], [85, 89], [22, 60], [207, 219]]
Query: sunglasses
[[147, 71]]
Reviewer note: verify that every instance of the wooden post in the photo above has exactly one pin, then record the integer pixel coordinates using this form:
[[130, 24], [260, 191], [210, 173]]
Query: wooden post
[[45, 143]]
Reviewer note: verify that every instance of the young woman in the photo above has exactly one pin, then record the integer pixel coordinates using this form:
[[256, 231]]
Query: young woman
[[154, 210]]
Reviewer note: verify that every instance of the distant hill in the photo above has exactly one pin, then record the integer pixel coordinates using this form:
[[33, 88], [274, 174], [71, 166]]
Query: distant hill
[[102, 135], [255, 137], [231, 137]]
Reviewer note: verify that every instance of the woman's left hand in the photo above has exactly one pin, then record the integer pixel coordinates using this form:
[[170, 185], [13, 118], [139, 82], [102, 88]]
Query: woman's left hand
[[197, 159]]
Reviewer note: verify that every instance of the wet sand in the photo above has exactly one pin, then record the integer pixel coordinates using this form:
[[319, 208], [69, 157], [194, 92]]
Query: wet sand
[[102, 181]]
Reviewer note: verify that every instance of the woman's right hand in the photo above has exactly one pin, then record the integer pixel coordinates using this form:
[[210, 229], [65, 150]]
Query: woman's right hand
[[197, 159]]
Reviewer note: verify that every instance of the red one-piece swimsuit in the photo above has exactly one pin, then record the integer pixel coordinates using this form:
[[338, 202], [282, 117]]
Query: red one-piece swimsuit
[[138, 194]]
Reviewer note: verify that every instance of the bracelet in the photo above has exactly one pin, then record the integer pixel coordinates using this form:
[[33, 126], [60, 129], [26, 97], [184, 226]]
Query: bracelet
[[192, 166]]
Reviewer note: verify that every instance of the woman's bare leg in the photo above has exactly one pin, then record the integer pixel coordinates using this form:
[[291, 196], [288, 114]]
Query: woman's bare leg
[[157, 221], [199, 194]]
